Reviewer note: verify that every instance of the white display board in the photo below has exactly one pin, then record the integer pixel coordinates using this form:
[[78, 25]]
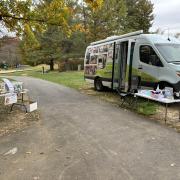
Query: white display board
[[10, 99]]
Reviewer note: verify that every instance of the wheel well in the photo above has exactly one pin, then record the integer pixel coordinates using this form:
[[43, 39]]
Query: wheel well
[[98, 84], [97, 77]]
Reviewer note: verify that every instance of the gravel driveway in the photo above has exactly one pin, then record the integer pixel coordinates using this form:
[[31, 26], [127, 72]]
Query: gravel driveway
[[82, 138]]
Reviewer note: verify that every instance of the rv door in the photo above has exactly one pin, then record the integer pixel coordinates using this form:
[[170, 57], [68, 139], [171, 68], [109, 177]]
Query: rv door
[[129, 74], [149, 64], [116, 65], [122, 66]]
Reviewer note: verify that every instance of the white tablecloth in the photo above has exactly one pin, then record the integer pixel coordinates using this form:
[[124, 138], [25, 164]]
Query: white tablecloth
[[162, 100]]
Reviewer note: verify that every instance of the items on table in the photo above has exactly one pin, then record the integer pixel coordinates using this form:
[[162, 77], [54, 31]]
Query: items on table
[[168, 93], [159, 94], [16, 87]]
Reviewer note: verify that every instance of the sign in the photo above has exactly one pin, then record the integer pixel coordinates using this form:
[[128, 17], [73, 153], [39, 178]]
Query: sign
[[10, 99]]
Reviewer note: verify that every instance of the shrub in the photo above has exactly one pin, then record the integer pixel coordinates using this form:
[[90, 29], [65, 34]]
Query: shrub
[[71, 64]]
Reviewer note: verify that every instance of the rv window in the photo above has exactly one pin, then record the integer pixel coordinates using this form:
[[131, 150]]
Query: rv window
[[170, 52], [87, 58], [100, 60], [149, 56], [93, 59]]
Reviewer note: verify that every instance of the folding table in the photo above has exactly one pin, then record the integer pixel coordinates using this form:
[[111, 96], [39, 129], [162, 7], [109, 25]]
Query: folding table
[[165, 101]]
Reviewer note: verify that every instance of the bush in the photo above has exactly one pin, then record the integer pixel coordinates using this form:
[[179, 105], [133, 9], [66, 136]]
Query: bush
[[71, 65]]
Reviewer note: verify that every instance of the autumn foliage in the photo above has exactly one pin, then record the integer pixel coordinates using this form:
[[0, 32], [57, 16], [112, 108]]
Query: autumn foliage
[[57, 29]]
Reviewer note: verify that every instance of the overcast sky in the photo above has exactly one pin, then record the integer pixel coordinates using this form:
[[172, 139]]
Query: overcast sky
[[167, 15]]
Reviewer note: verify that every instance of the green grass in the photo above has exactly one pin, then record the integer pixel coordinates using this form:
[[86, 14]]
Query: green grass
[[146, 108], [69, 79], [73, 79], [8, 78]]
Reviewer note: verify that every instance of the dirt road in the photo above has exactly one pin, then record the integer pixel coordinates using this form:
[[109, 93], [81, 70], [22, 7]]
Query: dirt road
[[82, 138]]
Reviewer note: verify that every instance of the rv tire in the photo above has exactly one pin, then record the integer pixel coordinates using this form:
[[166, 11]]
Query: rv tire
[[98, 84]]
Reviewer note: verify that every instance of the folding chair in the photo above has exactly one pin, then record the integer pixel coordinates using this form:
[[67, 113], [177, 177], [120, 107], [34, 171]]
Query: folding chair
[[126, 96]]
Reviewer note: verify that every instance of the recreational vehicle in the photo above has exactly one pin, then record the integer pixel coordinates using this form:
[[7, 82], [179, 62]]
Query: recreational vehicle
[[153, 59]]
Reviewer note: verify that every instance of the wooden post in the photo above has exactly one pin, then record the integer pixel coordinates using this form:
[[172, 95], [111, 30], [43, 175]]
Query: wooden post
[[43, 70]]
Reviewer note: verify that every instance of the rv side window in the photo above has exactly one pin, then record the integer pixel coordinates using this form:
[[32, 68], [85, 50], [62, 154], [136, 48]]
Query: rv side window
[[149, 56], [87, 57], [100, 61], [93, 59]]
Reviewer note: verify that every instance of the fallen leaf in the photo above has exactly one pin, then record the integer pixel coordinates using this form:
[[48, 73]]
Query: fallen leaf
[[173, 164], [58, 150], [12, 151], [29, 152], [36, 177]]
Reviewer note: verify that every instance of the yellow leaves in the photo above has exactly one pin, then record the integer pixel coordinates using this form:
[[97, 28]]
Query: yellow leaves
[[58, 13], [78, 27], [56, 6], [68, 33], [31, 41], [95, 4]]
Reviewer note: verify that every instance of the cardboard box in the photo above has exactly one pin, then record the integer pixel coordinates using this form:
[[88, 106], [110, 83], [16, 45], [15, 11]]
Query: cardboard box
[[31, 106]]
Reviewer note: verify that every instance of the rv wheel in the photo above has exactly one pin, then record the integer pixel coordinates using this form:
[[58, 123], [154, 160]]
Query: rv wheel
[[98, 84]]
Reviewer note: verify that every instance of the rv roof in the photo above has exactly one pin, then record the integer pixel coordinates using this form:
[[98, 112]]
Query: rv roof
[[157, 38], [113, 38]]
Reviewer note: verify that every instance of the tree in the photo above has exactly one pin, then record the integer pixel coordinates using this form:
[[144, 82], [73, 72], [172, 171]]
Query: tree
[[104, 21], [115, 17], [14, 13], [10, 10], [50, 45], [28, 44], [55, 43], [36, 40], [9, 51], [52, 30], [139, 15], [47, 27], [95, 4]]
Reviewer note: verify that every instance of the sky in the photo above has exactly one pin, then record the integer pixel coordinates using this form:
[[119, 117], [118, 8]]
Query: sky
[[167, 15]]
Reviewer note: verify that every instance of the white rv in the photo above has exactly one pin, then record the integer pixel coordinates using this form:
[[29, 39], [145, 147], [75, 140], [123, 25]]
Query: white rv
[[113, 62]]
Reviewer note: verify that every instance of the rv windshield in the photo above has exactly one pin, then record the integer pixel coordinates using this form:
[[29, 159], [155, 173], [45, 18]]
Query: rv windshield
[[170, 52]]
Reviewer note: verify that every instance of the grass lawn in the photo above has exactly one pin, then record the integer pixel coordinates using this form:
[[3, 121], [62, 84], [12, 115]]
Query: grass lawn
[[11, 79], [73, 79], [69, 79], [147, 108]]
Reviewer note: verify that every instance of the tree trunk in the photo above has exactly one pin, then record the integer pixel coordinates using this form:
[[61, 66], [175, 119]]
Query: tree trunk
[[51, 65], [85, 23]]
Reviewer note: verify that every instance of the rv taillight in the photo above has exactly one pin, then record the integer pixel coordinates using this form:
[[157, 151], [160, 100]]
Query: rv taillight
[[178, 73]]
